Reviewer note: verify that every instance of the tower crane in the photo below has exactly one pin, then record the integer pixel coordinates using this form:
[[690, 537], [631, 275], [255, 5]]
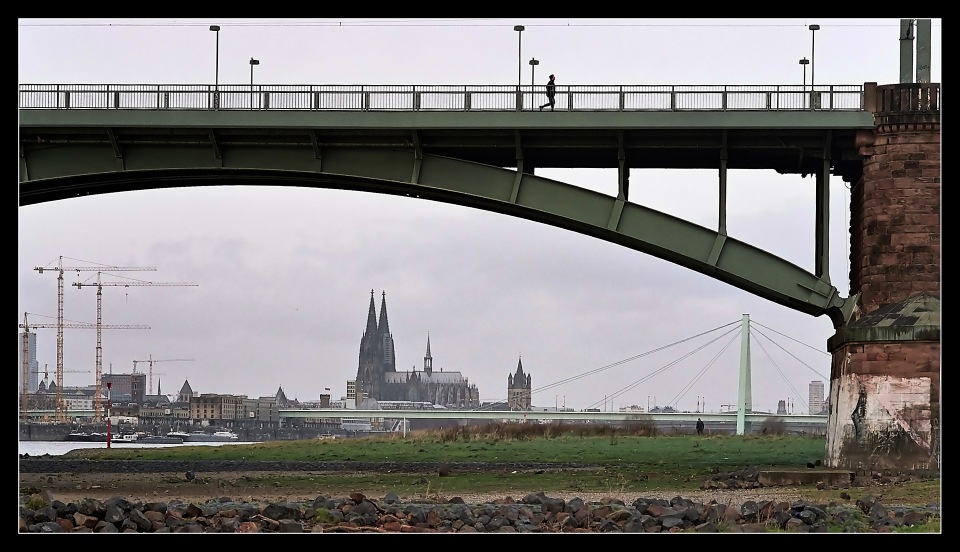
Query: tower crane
[[151, 360], [46, 374], [99, 284], [60, 268], [60, 411]]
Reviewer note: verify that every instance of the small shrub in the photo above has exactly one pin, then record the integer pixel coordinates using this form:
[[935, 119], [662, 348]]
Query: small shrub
[[773, 426]]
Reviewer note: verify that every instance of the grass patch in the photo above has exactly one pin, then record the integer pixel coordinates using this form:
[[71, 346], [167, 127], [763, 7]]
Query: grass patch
[[630, 459]]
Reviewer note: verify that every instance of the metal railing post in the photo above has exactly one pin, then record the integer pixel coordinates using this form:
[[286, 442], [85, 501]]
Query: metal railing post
[[416, 100], [519, 99], [622, 100]]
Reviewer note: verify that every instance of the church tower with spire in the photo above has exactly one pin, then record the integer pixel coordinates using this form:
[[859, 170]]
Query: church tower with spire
[[518, 389], [386, 338], [370, 369], [428, 358]]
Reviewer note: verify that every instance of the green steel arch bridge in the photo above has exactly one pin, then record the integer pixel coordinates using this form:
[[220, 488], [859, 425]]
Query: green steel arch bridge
[[475, 146]]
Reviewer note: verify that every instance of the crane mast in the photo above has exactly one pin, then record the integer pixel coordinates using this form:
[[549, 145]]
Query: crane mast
[[151, 360], [60, 414], [99, 350], [60, 410]]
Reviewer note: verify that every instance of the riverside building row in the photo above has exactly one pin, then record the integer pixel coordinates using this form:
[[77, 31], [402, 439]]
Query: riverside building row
[[378, 385]]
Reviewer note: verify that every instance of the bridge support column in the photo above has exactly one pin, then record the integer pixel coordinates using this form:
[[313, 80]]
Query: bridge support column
[[885, 372], [745, 391]]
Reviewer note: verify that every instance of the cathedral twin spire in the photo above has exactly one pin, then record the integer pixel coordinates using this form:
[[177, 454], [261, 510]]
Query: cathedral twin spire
[[377, 358], [377, 339]]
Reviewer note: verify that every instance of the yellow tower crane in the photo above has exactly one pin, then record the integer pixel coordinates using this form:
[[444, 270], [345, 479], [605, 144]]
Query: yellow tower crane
[[60, 325], [60, 269], [151, 360], [99, 284]]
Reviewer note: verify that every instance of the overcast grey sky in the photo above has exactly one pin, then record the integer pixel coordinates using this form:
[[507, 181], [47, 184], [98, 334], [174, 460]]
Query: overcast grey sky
[[285, 274]]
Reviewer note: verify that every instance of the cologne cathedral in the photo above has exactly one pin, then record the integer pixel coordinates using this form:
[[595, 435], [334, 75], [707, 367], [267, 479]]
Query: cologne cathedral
[[378, 378]]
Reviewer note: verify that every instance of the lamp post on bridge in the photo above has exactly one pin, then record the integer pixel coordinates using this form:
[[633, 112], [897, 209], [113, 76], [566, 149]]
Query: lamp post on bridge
[[804, 62], [519, 29], [533, 70], [813, 64], [216, 77], [252, 63]]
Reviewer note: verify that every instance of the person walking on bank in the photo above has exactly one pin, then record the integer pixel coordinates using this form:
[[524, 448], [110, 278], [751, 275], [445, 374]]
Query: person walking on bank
[[699, 426], [551, 90]]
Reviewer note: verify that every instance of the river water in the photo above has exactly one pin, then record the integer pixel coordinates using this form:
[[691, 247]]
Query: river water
[[57, 448]]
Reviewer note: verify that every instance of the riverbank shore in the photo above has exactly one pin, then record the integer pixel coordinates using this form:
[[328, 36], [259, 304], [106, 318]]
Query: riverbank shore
[[233, 496]]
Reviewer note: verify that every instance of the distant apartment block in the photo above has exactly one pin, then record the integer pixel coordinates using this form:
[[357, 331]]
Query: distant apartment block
[[816, 401], [33, 367]]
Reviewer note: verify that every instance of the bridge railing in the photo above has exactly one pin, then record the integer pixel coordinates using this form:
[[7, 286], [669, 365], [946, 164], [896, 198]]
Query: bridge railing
[[441, 97]]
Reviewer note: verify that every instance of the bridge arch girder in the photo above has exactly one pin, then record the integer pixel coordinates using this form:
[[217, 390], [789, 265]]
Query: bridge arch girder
[[469, 184]]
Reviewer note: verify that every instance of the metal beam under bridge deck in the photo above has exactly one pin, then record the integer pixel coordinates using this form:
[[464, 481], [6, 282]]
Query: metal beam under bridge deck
[[458, 158]]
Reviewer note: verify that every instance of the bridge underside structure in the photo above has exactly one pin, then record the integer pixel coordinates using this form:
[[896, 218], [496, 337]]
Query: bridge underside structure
[[480, 160]]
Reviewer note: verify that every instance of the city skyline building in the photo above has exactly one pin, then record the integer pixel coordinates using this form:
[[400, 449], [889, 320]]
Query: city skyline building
[[33, 366], [816, 397]]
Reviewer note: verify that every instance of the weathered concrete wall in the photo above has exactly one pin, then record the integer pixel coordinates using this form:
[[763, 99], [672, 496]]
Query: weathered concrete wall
[[884, 419]]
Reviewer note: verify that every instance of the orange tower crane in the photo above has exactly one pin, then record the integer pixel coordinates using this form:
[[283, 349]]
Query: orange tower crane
[[151, 360], [99, 361], [60, 268], [60, 411]]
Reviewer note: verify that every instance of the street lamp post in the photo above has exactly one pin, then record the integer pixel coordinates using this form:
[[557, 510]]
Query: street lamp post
[[252, 63], [519, 29], [813, 61], [533, 69], [804, 62], [216, 77]]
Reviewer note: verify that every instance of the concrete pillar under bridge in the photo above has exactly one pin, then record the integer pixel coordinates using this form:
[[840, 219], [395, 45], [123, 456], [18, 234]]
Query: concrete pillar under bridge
[[885, 371]]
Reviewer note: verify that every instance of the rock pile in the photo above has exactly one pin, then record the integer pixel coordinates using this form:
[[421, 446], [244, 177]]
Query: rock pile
[[535, 513]]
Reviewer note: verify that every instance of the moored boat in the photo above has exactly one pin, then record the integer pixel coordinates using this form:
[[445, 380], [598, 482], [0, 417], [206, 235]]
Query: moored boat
[[96, 437], [200, 436], [167, 439]]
